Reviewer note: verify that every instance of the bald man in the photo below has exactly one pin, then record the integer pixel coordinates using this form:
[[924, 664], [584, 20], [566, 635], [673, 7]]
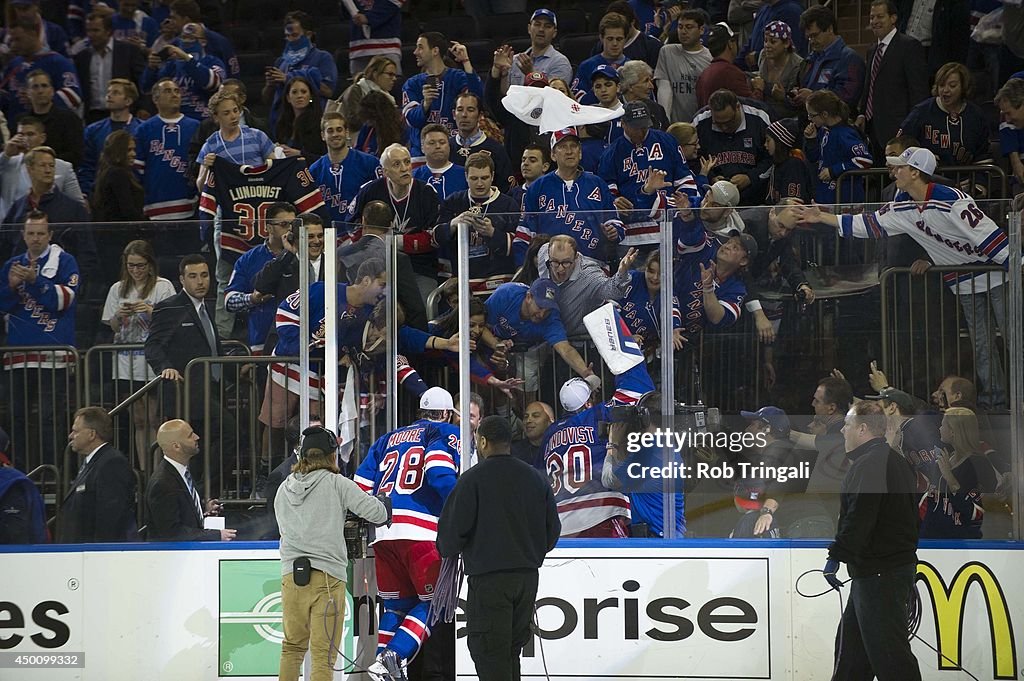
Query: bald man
[[174, 507], [537, 418]]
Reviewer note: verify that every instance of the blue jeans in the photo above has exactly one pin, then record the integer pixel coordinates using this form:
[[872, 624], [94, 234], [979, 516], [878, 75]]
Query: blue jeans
[[979, 311], [872, 639]]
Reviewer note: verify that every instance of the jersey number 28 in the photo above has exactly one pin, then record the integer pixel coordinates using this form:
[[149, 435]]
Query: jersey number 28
[[410, 471]]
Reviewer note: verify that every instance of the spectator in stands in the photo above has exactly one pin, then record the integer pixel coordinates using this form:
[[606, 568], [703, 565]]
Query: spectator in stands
[[582, 284], [789, 175], [23, 520], [831, 65], [381, 124], [951, 127], [281, 275], [99, 505], [429, 97], [187, 11], [894, 82], [182, 330], [209, 125], [63, 126], [128, 311], [537, 418], [733, 134], [105, 59], [536, 161], [680, 65], [39, 300], [440, 170], [476, 411], [132, 25], [835, 147], [415, 207], [638, 44], [778, 69], [300, 59], [541, 56], [528, 271], [342, 170], [561, 85], [529, 314], [686, 135], [639, 168], [492, 218], [916, 438], [118, 195], [1010, 100], [641, 306], [197, 73], [717, 211], [174, 507], [594, 139], [376, 30], [242, 295], [613, 30], [52, 36], [779, 12], [569, 201], [722, 73], [14, 179], [380, 75], [168, 33], [162, 158], [469, 139], [637, 85], [953, 508], [30, 55], [119, 101], [756, 497], [375, 222], [298, 120]]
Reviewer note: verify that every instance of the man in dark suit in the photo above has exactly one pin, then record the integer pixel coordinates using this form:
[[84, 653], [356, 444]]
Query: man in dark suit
[[100, 502], [181, 330], [174, 506], [895, 80], [122, 59]]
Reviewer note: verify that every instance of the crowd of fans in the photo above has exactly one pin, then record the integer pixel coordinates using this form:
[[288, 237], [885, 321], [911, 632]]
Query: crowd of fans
[[729, 122]]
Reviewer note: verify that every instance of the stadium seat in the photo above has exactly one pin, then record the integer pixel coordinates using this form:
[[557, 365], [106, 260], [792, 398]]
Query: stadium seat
[[572, 21], [578, 48], [332, 36], [498, 26], [254, 64], [244, 39], [481, 54], [459, 28]]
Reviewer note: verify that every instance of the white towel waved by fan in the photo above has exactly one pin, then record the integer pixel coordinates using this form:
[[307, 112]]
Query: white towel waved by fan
[[552, 110]]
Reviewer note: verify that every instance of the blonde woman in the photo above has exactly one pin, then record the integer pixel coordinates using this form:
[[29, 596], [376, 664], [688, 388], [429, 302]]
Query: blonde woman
[[953, 508]]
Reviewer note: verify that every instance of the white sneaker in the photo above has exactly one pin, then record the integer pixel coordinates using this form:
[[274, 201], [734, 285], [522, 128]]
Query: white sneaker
[[392, 666], [377, 671]]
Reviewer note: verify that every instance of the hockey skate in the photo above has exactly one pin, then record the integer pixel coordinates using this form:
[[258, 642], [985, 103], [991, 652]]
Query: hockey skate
[[388, 667]]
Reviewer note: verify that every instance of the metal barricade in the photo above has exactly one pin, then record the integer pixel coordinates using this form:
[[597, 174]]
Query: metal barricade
[[48, 479], [983, 181], [43, 392]]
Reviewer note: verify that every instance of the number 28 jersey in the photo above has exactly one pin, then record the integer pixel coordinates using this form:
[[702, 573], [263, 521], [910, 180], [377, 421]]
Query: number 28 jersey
[[417, 467], [244, 193]]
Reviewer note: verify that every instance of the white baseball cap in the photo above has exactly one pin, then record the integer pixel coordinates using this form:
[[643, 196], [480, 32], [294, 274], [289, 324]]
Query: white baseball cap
[[725, 193], [915, 157], [437, 399], [574, 394]]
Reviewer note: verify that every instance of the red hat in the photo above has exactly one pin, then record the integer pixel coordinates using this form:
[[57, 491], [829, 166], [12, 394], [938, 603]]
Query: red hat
[[535, 79]]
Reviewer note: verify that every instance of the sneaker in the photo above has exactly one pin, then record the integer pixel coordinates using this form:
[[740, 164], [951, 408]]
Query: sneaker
[[388, 667]]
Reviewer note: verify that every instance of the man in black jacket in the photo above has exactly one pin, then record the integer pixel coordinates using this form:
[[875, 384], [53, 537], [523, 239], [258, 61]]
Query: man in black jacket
[[503, 543], [127, 60], [877, 539], [100, 502]]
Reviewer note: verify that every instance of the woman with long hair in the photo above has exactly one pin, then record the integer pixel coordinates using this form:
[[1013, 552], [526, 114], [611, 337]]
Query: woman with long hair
[[117, 195], [778, 69], [835, 147], [952, 509], [641, 307], [382, 124], [128, 311], [529, 273], [380, 75], [298, 118]]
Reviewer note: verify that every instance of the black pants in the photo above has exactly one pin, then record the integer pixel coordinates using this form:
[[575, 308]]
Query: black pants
[[872, 641], [498, 612]]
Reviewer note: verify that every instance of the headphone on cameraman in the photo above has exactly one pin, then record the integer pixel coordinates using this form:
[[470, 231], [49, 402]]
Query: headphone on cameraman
[[315, 431]]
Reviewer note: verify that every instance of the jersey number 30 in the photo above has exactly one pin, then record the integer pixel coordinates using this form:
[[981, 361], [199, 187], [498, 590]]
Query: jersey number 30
[[571, 470], [410, 472]]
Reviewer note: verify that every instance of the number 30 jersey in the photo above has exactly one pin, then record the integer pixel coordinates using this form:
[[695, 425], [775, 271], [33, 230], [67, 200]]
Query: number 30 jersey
[[244, 193], [417, 467]]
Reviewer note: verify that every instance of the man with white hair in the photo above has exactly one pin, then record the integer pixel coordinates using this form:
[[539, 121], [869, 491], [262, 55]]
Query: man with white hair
[[416, 467], [416, 207]]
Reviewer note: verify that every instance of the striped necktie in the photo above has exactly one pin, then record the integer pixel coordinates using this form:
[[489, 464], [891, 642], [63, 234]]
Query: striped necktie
[[876, 63]]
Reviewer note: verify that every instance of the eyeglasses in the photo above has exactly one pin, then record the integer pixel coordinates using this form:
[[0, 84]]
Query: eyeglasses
[[137, 265], [279, 223], [390, 74], [812, 116], [560, 263]]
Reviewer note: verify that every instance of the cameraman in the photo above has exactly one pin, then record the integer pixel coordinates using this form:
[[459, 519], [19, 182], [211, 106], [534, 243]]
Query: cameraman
[[311, 507]]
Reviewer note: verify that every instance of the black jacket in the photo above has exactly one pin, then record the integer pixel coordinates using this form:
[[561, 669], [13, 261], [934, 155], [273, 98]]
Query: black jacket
[[176, 335], [878, 514], [776, 263], [100, 501], [171, 510], [129, 63], [901, 83], [65, 134], [500, 516]]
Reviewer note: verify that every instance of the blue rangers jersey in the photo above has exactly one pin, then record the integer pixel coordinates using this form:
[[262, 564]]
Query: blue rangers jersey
[[197, 78], [949, 226], [573, 456], [576, 208], [67, 93], [581, 85], [242, 283], [340, 182], [626, 166], [642, 312], [839, 149], [417, 467], [452, 83], [161, 160], [445, 181], [139, 26], [42, 312], [696, 246], [384, 21], [503, 317]]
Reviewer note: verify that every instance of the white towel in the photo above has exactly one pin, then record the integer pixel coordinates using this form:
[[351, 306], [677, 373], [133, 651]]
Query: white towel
[[52, 264], [551, 110], [348, 420]]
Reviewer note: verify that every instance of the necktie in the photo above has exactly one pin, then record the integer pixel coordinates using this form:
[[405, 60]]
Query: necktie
[[81, 475], [876, 63], [211, 339], [193, 493]]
